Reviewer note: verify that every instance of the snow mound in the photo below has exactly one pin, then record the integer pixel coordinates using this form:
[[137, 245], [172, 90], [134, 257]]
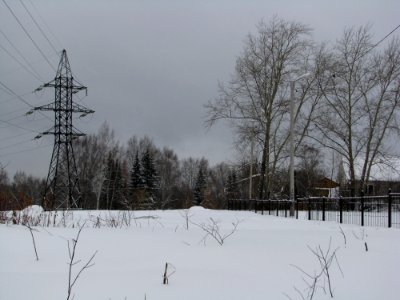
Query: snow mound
[[32, 210], [197, 209]]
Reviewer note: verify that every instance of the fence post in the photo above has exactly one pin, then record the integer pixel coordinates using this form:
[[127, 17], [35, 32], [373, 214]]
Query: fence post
[[340, 209], [309, 208], [269, 206], [277, 208], [297, 208], [255, 205], [286, 208], [390, 208], [323, 208], [262, 207], [362, 208]]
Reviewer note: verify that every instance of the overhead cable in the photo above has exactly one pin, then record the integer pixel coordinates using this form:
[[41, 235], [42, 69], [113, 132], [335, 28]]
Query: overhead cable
[[38, 26], [29, 36], [21, 55]]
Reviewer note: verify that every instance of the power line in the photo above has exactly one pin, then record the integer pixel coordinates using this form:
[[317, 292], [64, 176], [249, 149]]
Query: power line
[[26, 150], [29, 36], [21, 55], [17, 126], [13, 111], [45, 23], [380, 41], [14, 97], [15, 136], [38, 26], [22, 65], [11, 92], [398, 26], [15, 144]]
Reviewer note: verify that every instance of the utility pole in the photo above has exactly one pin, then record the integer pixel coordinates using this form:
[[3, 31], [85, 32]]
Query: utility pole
[[251, 163], [62, 184], [291, 141]]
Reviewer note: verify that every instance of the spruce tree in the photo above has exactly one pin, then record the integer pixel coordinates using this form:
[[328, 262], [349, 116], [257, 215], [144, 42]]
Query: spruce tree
[[136, 178], [150, 179], [200, 186]]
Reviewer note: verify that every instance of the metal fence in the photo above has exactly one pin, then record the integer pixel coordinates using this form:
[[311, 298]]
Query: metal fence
[[381, 211]]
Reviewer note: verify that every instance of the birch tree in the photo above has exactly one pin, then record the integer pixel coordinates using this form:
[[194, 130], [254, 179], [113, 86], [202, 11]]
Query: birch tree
[[256, 99], [360, 104]]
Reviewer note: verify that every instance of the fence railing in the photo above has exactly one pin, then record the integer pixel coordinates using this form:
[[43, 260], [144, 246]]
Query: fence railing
[[381, 211]]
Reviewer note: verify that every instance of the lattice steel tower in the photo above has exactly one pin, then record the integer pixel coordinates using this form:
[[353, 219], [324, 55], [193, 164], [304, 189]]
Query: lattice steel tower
[[62, 185]]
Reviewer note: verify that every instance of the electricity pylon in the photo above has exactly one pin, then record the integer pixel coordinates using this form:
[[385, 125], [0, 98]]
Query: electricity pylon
[[62, 184]]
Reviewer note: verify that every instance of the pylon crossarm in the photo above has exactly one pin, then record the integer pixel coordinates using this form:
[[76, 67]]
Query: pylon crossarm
[[77, 89], [49, 107], [80, 108]]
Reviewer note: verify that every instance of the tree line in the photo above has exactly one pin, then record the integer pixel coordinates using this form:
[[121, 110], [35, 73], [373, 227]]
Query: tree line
[[138, 175], [346, 124]]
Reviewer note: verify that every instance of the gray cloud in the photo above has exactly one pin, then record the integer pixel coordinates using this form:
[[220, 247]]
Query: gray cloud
[[150, 66]]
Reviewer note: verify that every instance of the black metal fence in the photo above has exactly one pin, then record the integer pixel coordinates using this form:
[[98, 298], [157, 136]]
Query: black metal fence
[[381, 211]]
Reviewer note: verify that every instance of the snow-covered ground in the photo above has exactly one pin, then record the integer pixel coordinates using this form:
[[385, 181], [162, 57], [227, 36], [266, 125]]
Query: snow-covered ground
[[265, 258]]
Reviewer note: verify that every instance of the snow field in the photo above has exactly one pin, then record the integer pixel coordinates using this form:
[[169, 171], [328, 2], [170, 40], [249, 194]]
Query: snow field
[[254, 263]]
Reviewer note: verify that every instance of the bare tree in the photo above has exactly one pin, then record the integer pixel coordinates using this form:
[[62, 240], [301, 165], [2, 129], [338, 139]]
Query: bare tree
[[257, 96], [167, 165], [189, 169], [90, 154], [361, 99]]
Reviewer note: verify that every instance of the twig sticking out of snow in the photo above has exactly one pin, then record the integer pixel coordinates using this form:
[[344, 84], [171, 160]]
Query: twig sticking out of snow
[[362, 237], [186, 215], [72, 262], [344, 235], [168, 274], [33, 239], [325, 259]]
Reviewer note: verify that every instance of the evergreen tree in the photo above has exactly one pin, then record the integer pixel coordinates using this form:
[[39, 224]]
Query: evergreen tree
[[150, 179], [136, 184], [149, 171], [200, 186], [136, 178]]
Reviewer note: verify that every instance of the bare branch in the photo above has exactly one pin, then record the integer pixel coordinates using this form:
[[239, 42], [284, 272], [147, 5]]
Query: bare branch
[[71, 252]]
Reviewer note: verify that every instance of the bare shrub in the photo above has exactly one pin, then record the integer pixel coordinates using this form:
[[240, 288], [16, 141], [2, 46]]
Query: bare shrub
[[313, 280], [72, 262], [213, 229]]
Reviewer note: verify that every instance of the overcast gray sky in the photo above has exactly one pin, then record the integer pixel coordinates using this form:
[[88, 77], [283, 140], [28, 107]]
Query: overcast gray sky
[[149, 66]]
